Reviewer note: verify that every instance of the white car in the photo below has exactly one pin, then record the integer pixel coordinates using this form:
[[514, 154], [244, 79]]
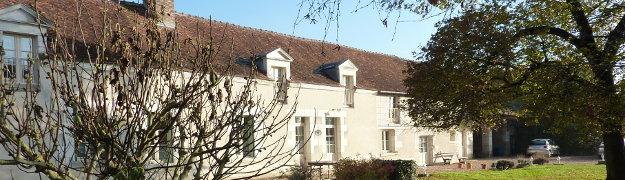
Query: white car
[[544, 147]]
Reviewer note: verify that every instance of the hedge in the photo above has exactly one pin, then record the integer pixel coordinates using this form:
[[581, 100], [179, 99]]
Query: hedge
[[374, 169]]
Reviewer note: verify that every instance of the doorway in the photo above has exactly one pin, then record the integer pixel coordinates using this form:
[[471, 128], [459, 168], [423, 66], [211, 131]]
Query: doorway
[[425, 149]]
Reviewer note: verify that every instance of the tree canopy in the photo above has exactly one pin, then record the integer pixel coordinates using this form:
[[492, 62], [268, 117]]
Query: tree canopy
[[535, 60]]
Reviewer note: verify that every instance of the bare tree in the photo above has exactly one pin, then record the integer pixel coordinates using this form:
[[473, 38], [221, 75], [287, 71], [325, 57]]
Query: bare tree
[[136, 102]]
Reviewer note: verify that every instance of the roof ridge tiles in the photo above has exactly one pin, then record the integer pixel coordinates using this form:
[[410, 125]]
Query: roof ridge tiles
[[292, 36]]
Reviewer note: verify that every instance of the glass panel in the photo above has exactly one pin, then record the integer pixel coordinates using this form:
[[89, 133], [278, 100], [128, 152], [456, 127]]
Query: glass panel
[[299, 138], [25, 55], [26, 44], [81, 150], [330, 140], [299, 130], [384, 139], [539, 142], [9, 71], [329, 121], [330, 131], [8, 42], [25, 69], [298, 120], [9, 54], [165, 150], [422, 144]]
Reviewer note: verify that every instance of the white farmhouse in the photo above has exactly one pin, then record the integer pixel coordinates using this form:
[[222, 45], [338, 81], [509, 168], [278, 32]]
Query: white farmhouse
[[348, 100]]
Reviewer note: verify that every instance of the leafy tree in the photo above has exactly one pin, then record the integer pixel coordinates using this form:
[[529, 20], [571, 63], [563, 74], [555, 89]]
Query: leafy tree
[[536, 60]]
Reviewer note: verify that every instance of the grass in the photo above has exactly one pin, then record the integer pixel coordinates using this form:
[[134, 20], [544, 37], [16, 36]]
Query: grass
[[571, 171]]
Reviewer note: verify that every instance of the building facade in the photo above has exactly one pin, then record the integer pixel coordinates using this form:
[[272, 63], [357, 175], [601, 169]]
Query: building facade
[[348, 100]]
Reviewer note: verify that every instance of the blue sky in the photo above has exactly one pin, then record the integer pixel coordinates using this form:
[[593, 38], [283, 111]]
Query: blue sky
[[362, 29]]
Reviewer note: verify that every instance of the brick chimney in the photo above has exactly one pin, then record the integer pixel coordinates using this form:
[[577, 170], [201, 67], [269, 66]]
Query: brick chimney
[[163, 11]]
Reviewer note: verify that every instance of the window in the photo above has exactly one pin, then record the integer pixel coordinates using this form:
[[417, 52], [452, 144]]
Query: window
[[330, 135], [248, 136], [299, 134], [165, 147], [278, 72], [387, 140], [537, 142], [394, 111], [82, 150], [18, 58], [281, 84], [349, 90], [423, 144], [452, 136]]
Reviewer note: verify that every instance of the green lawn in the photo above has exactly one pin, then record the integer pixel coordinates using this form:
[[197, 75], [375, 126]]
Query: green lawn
[[576, 171]]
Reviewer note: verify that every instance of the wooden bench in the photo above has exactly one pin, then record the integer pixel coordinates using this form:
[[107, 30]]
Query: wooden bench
[[445, 156], [462, 159], [320, 165]]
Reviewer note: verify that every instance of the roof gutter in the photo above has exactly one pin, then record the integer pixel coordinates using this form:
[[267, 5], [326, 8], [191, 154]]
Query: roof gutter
[[392, 93]]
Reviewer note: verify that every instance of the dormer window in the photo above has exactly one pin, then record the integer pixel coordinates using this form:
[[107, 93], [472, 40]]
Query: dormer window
[[344, 72], [21, 30], [277, 65]]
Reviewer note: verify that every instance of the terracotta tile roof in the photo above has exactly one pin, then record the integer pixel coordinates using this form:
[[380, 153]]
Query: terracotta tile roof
[[376, 71]]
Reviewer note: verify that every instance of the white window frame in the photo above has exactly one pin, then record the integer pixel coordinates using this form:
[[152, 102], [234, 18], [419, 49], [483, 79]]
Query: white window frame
[[423, 144], [300, 134], [19, 62], [331, 144], [166, 148], [388, 140], [278, 72]]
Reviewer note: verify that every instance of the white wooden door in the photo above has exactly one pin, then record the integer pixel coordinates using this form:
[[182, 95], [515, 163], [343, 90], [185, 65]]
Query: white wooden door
[[424, 149]]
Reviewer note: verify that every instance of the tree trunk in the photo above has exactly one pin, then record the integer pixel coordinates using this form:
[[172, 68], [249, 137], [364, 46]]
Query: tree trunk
[[614, 153]]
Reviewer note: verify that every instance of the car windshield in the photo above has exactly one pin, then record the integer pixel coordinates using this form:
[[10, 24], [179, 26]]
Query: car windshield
[[539, 142]]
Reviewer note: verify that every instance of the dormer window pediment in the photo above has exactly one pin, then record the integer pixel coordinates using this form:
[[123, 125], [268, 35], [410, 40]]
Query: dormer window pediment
[[23, 14], [344, 72], [276, 64]]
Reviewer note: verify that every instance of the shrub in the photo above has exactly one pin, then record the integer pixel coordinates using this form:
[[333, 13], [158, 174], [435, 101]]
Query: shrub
[[372, 169], [521, 163], [540, 161], [299, 173], [403, 169], [504, 164]]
